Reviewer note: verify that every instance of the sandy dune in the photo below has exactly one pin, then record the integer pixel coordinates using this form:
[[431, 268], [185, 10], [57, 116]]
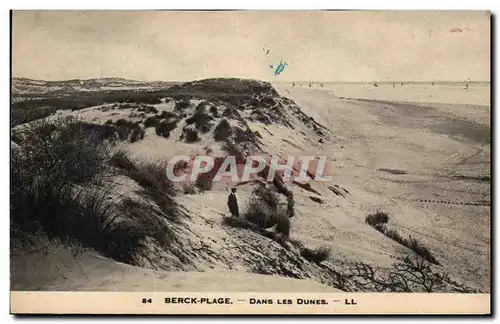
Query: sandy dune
[[378, 134], [415, 158], [90, 272]]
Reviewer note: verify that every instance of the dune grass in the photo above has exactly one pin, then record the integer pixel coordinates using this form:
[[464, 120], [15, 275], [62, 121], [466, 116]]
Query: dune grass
[[58, 171], [379, 221]]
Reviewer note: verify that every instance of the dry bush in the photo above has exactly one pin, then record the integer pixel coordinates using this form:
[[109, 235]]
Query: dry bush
[[151, 121], [263, 211], [377, 218], [316, 199], [190, 135], [204, 181], [167, 115], [148, 109], [236, 222], [153, 179], [55, 171], [148, 218], [189, 189], [126, 130], [181, 105], [201, 120], [163, 128], [408, 274], [379, 221], [214, 112], [223, 131], [20, 113], [317, 255]]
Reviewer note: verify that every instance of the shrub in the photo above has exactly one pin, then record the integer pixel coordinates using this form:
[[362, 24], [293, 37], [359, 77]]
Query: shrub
[[151, 121], [201, 108], [214, 112], [137, 115], [268, 101], [80, 100], [317, 255], [126, 105], [204, 181], [223, 131], [191, 135], [128, 130], [283, 224], [407, 274], [379, 221], [420, 250], [121, 122], [316, 199], [181, 105], [21, 113], [103, 132], [121, 160], [137, 134], [268, 196], [201, 120], [148, 109], [263, 211], [66, 151], [377, 218], [152, 178], [148, 219], [167, 115], [232, 149], [243, 136], [290, 208], [228, 112], [164, 128], [46, 168], [242, 223], [189, 189]]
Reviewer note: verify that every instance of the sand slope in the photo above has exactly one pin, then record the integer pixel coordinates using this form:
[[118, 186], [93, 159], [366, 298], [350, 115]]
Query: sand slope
[[57, 269], [420, 162]]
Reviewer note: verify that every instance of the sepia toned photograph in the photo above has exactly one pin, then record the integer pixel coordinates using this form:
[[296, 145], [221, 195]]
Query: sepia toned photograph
[[276, 161]]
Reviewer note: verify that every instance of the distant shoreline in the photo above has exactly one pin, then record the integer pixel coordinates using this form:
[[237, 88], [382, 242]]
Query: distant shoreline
[[118, 79], [386, 82]]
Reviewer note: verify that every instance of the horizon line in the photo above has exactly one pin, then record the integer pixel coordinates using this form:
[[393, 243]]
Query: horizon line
[[277, 81]]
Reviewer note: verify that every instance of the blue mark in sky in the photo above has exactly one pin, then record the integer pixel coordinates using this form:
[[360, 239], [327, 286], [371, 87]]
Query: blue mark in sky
[[280, 68], [276, 70]]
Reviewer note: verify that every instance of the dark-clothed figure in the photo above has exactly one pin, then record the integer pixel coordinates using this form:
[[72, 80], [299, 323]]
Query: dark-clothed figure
[[232, 203]]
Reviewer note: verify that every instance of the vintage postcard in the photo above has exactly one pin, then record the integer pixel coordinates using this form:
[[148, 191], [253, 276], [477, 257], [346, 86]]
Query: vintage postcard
[[250, 162]]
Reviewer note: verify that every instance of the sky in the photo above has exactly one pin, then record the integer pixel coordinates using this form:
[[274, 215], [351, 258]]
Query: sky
[[316, 45]]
